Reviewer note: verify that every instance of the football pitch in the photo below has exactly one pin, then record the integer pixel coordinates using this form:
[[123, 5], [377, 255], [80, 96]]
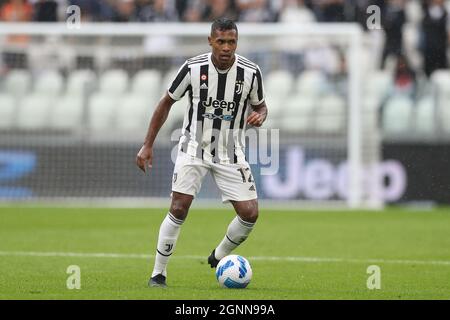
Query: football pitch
[[294, 254]]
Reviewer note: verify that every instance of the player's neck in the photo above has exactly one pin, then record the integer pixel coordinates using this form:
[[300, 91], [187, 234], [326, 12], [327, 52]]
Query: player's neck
[[222, 67]]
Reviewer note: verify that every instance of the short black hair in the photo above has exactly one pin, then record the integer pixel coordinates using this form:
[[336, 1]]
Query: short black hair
[[223, 24]]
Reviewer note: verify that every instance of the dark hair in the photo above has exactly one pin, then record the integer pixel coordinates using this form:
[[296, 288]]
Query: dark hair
[[223, 24]]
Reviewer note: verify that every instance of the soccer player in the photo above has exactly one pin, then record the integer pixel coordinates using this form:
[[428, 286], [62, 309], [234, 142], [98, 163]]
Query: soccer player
[[221, 86]]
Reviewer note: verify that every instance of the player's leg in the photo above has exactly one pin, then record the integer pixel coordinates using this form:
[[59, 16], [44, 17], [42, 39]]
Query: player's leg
[[246, 210], [238, 230], [237, 186], [187, 178], [168, 235]]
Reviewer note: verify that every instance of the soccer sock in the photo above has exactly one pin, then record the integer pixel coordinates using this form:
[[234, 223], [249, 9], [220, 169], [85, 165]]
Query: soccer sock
[[168, 235], [237, 232]]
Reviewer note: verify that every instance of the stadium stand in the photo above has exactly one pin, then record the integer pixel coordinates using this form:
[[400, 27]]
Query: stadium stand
[[276, 111], [279, 83], [397, 115], [102, 111], [79, 81], [141, 92], [311, 83], [134, 112], [113, 82], [425, 116], [147, 83], [301, 114], [378, 85], [330, 115], [7, 111], [17, 82], [445, 119], [49, 83], [67, 113], [441, 81], [34, 112], [133, 82]]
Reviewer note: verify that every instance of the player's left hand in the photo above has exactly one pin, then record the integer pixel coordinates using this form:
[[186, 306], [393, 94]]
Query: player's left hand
[[255, 119]]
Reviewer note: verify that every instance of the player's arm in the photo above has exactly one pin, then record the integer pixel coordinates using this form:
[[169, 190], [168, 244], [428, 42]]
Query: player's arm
[[258, 115], [159, 117], [257, 101]]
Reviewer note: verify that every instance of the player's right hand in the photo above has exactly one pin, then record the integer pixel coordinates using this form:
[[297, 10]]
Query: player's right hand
[[144, 157]]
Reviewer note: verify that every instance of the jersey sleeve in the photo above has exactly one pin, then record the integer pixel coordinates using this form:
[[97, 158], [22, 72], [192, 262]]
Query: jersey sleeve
[[179, 85], [257, 95]]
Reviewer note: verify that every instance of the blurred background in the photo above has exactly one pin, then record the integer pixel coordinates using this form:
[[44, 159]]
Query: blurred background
[[74, 106]]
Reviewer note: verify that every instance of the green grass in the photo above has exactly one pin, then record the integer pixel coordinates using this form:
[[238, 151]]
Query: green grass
[[404, 244]]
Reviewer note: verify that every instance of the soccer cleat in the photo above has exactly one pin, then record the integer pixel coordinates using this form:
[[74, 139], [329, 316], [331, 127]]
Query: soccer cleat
[[213, 262], [157, 281]]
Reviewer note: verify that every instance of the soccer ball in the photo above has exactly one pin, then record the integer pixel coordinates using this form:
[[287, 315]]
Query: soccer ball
[[234, 271]]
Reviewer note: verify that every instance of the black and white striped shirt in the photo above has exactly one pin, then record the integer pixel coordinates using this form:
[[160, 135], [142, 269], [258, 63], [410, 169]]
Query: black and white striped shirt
[[215, 119]]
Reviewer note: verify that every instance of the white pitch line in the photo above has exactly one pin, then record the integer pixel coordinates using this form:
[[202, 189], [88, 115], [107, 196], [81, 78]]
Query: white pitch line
[[193, 257]]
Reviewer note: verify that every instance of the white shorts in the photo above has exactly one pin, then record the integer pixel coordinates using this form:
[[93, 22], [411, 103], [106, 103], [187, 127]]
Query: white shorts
[[235, 181]]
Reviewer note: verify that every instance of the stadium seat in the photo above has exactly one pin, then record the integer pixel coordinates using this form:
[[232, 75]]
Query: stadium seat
[[147, 83], [134, 112], [299, 114], [278, 83], [425, 115], [275, 111], [445, 117], [102, 108], [441, 81], [67, 113], [79, 80], [311, 83], [397, 115], [34, 112], [378, 84], [113, 82], [49, 83], [7, 110], [330, 116], [17, 83]]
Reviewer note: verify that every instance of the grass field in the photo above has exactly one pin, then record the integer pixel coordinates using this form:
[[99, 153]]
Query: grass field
[[294, 255]]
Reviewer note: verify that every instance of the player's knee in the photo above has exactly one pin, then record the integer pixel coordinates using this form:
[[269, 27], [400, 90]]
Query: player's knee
[[252, 215], [249, 214], [179, 210]]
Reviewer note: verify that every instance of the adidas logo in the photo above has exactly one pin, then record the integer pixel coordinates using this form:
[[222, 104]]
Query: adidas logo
[[204, 86], [252, 188]]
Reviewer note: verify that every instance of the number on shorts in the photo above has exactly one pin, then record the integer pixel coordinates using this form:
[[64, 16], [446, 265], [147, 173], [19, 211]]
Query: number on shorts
[[243, 171]]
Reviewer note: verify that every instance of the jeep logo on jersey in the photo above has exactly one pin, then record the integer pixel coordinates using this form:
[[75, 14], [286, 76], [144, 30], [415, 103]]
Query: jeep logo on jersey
[[219, 104]]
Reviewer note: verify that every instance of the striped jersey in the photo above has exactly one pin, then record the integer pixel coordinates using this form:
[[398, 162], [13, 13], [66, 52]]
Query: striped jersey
[[215, 118]]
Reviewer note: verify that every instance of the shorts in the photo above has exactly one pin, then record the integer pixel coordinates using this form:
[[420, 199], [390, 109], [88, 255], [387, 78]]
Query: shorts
[[235, 180]]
